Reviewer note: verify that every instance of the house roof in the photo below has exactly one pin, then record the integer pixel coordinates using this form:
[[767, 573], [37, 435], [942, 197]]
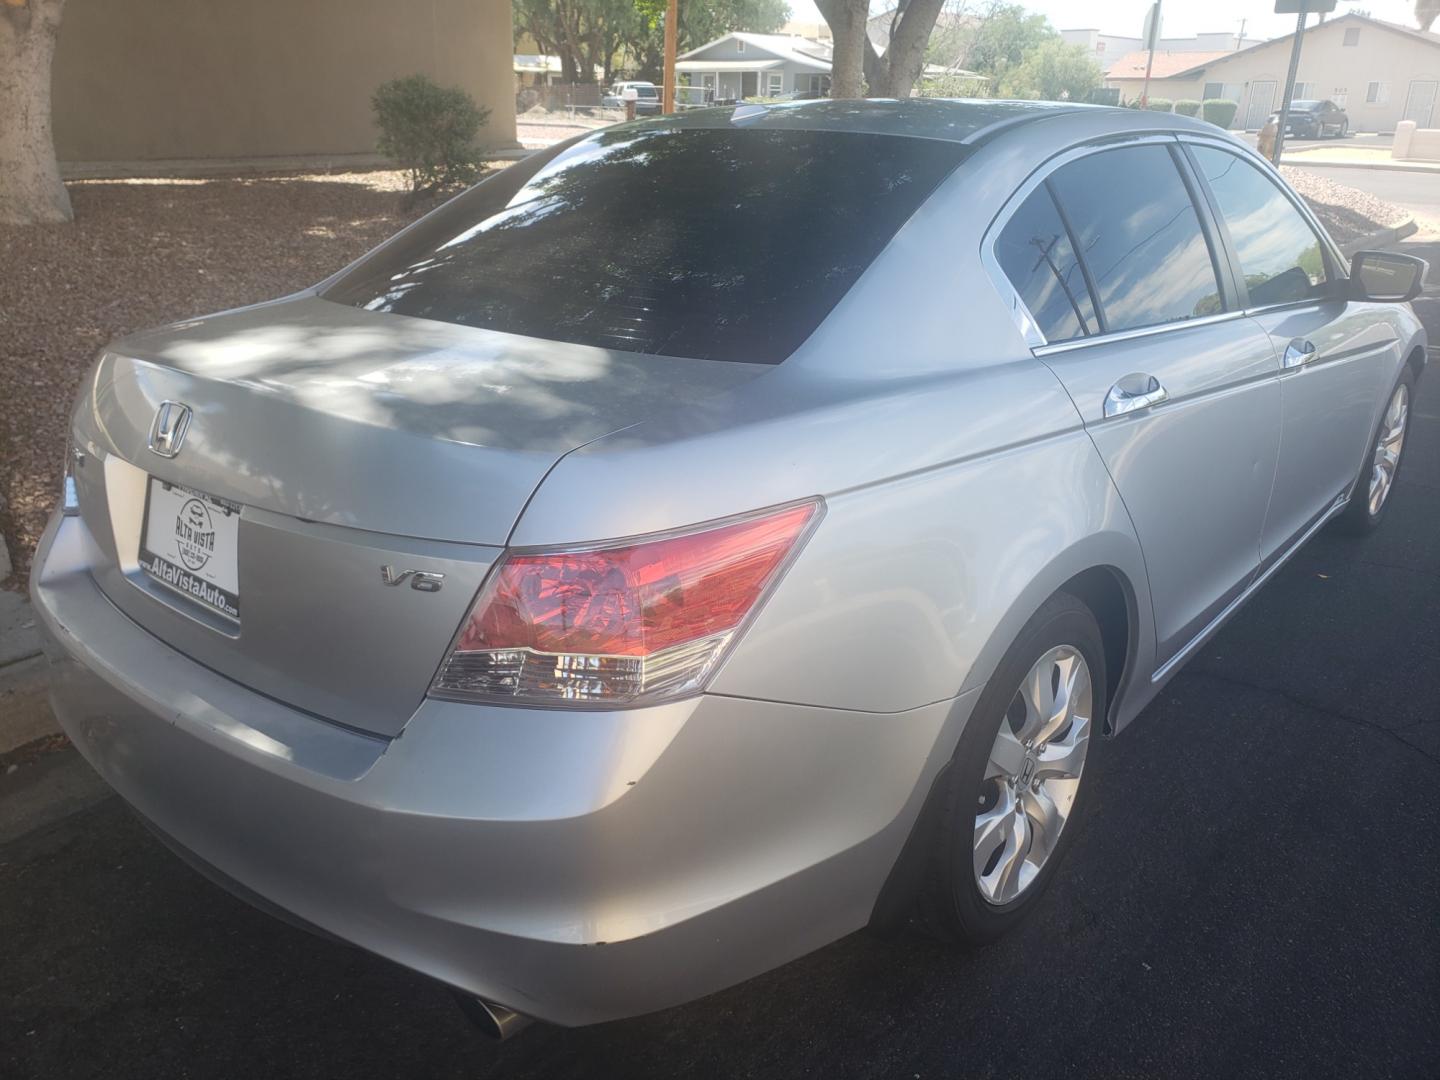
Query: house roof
[[729, 65], [1132, 65], [814, 55], [1198, 65]]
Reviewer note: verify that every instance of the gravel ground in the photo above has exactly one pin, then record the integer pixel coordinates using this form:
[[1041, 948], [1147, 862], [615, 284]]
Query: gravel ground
[[145, 252], [1348, 213]]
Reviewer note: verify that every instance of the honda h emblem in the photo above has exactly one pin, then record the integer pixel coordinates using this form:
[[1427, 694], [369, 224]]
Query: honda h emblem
[[172, 420]]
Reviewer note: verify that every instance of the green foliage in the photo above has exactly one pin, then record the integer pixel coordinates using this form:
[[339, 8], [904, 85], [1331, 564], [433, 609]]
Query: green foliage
[[429, 131], [952, 86], [1187, 107], [1052, 71], [1002, 39], [1160, 104], [1218, 111]]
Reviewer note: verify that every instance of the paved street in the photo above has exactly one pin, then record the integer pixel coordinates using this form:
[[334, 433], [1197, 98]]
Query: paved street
[[1418, 192], [1256, 893]]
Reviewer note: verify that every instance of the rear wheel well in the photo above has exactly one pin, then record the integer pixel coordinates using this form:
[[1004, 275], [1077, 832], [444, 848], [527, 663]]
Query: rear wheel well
[[1103, 590]]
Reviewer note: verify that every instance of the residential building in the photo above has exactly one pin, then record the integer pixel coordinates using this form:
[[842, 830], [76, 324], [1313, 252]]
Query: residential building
[[742, 65], [1108, 49], [186, 80], [1379, 72]]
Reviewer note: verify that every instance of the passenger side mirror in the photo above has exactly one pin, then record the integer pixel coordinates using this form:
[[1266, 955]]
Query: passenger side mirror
[[1386, 277]]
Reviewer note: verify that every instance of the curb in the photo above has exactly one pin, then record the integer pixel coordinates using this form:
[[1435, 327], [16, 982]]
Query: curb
[[1301, 162], [1382, 237]]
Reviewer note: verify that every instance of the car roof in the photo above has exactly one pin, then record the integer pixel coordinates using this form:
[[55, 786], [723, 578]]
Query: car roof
[[967, 121]]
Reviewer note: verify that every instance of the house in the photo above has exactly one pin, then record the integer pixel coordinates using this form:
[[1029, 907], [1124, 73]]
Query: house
[[1108, 49], [1379, 72], [209, 81], [742, 65]]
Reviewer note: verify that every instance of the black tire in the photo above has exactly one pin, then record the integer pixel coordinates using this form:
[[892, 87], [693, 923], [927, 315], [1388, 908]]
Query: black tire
[[950, 905], [1356, 519]]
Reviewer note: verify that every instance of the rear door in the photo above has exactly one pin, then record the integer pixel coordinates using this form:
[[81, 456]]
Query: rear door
[[1335, 358], [1176, 388]]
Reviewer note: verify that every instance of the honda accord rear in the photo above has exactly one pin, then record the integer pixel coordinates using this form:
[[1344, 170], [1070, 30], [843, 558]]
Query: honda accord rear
[[685, 548]]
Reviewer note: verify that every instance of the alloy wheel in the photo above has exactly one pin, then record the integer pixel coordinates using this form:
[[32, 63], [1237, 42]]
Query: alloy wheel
[[1033, 774], [1388, 446]]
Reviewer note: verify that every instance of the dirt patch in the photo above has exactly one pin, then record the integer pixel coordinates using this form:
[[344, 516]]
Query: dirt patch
[[1346, 212]]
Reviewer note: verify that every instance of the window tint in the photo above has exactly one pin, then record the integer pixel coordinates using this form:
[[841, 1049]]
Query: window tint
[[1279, 253], [717, 244], [1139, 235], [1035, 252]]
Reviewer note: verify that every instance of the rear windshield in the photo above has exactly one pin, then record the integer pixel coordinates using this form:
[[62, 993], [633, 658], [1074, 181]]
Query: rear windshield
[[715, 244]]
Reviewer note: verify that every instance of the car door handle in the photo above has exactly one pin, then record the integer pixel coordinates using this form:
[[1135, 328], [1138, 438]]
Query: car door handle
[[1134, 392], [1299, 353]]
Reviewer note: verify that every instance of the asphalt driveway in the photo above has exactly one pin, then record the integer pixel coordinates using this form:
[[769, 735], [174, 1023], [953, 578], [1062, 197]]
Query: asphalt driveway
[[1256, 893]]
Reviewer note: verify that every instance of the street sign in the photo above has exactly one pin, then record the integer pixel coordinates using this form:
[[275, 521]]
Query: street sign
[[1310, 7]]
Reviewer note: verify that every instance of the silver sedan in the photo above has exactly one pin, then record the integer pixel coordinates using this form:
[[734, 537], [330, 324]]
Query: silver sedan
[[712, 535]]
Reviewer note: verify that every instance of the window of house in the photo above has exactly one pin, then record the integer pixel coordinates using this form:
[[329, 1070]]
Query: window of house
[[1377, 93], [1341, 96], [1280, 254], [739, 45], [774, 83], [1304, 91], [1352, 36], [1130, 214], [1035, 252]]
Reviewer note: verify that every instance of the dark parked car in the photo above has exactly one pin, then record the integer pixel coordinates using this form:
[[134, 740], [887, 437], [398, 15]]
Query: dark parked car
[[1316, 120]]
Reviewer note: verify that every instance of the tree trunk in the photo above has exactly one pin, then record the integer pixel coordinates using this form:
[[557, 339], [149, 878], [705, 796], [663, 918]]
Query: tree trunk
[[904, 59], [30, 189], [847, 26]]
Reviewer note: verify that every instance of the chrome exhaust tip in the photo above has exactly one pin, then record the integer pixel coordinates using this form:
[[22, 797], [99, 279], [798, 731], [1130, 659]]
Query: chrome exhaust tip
[[493, 1020]]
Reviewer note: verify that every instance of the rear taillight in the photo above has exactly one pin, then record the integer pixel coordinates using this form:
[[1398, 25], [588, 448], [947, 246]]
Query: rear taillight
[[629, 623]]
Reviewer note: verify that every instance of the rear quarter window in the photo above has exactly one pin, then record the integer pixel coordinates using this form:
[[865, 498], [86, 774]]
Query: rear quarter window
[[709, 243]]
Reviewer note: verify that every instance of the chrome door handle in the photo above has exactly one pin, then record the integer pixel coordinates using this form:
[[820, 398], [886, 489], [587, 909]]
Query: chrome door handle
[[1134, 392], [1299, 353]]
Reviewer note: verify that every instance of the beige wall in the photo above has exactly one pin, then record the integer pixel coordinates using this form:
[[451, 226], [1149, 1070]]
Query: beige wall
[[155, 79], [1381, 55]]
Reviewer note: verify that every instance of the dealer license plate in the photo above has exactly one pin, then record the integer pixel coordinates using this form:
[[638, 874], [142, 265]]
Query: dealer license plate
[[190, 544]]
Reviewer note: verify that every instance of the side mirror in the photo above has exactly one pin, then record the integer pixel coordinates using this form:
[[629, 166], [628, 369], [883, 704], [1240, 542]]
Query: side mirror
[[1386, 277]]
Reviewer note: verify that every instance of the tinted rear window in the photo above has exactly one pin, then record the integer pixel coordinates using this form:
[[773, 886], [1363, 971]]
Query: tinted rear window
[[716, 244]]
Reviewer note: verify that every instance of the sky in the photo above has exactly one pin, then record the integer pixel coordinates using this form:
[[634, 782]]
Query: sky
[[1179, 18]]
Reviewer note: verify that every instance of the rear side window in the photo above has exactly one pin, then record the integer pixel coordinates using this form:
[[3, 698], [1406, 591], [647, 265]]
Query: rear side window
[[1136, 227], [719, 244], [1280, 254], [1035, 252]]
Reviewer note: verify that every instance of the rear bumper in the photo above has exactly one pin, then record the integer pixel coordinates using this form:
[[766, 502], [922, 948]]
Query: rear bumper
[[576, 867]]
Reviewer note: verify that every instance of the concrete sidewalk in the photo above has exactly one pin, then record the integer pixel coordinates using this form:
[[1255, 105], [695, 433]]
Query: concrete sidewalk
[[24, 709], [1354, 157]]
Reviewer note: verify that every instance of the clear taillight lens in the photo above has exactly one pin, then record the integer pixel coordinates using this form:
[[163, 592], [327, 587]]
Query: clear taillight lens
[[630, 623]]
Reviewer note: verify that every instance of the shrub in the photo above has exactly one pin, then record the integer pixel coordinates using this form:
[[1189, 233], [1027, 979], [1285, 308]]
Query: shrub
[[1186, 107], [1160, 104], [429, 131], [1218, 111]]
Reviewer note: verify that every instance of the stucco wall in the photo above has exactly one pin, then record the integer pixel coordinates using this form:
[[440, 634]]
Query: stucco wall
[[1336, 70], [156, 79]]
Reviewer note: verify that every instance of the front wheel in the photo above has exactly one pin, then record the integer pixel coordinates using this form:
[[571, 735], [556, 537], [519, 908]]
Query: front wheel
[[1371, 494], [1013, 790]]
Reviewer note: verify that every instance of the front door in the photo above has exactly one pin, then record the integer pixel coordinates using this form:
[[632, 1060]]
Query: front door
[[1334, 359], [1420, 101], [749, 84], [1185, 416], [1262, 104]]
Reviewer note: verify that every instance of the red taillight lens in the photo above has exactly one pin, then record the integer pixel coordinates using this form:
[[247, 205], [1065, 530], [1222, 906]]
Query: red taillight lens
[[629, 623]]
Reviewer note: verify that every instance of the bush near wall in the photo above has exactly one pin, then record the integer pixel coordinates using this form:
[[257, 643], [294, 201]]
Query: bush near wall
[[1160, 104], [429, 131], [1219, 112], [1185, 107]]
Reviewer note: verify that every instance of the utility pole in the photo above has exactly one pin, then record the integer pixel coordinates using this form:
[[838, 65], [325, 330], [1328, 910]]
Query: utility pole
[[1300, 9], [672, 33], [1153, 36], [1240, 41]]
